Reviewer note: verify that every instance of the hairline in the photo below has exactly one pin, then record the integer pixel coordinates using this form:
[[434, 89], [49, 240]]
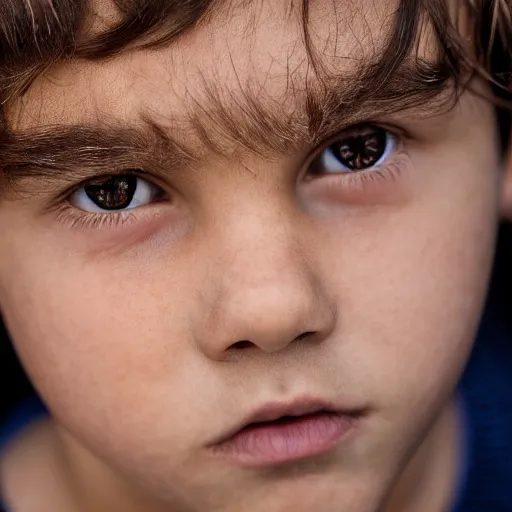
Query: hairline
[[91, 49]]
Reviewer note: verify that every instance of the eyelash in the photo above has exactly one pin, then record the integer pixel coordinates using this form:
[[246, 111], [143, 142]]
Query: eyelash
[[360, 181], [77, 219]]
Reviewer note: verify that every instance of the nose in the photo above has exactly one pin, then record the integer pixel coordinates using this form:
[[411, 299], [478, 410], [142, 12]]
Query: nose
[[268, 294]]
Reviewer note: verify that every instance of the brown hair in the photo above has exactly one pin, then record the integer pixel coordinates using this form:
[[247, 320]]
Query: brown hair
[[36, 33]]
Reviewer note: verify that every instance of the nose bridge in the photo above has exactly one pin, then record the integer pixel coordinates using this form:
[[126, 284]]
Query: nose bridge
[[268, 294]]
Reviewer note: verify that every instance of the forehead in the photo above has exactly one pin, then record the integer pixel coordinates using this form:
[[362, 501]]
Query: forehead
[[257, 46]]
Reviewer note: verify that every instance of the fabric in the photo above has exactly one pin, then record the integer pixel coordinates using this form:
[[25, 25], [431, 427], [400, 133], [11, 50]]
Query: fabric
[[28, 412], [485, 392], [20, 418]]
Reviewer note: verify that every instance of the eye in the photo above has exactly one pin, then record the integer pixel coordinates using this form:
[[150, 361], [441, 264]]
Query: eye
[[115, 193], [360, 149]]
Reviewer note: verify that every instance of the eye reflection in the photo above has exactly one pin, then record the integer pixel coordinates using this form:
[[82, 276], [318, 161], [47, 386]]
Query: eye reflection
[[115, 193], [361, 149]]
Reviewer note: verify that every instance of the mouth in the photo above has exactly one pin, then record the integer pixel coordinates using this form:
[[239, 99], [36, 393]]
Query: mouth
[[282, 433]]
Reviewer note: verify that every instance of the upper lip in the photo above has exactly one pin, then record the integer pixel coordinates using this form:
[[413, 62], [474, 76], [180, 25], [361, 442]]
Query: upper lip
[[275, 410]]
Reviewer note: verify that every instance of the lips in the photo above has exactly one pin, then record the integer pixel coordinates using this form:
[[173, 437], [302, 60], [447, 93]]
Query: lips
[[272, 412], [280, 433]]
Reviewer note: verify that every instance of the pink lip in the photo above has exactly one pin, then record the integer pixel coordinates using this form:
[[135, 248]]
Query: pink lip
[[279, 433]]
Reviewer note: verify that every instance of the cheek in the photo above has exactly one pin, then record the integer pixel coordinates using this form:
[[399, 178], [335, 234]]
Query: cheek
[[411, 284], [101, 332]]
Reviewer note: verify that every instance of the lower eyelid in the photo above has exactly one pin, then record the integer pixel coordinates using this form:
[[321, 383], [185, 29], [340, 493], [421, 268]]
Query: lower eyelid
[[360, 179], [75, 218], [381, 185]]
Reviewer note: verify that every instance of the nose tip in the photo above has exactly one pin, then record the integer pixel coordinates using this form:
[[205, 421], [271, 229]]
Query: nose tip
[[266, 288], [269, 315]]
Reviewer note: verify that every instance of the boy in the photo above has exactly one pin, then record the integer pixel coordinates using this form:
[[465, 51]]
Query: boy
[[245, 251]]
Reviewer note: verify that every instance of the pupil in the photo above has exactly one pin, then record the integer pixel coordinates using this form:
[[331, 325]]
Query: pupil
[[362, 149], [114, 193]]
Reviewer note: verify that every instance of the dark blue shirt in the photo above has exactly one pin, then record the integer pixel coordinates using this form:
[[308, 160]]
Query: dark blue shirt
[[486, 389]]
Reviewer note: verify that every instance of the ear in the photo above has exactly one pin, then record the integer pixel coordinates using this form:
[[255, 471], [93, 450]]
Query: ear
[[506, 198]]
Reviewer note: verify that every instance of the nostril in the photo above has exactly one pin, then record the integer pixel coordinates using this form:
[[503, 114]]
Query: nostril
[[239, 345], [245, 344], [305, 335]]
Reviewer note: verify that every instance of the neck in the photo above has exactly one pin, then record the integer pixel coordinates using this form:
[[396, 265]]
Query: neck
[[429, 480]]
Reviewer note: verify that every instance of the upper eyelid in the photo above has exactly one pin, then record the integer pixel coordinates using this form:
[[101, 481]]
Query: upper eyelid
[[140, 173]]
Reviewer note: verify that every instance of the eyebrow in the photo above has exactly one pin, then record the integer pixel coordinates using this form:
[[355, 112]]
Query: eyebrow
[[83, 150], [325, 108]]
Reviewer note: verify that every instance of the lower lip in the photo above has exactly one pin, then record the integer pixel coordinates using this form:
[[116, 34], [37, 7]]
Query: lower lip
[[270, 443]]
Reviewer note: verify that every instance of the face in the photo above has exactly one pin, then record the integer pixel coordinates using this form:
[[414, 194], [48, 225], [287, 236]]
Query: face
[[156, 311]]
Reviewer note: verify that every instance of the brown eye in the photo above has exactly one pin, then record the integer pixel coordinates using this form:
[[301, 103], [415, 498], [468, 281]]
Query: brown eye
[[114, 193], [361, 149]]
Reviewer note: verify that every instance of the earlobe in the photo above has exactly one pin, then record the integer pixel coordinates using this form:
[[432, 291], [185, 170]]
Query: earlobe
[[506, 198]]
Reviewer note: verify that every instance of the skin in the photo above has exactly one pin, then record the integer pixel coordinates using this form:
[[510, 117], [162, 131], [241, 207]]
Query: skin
[[129, 331]]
